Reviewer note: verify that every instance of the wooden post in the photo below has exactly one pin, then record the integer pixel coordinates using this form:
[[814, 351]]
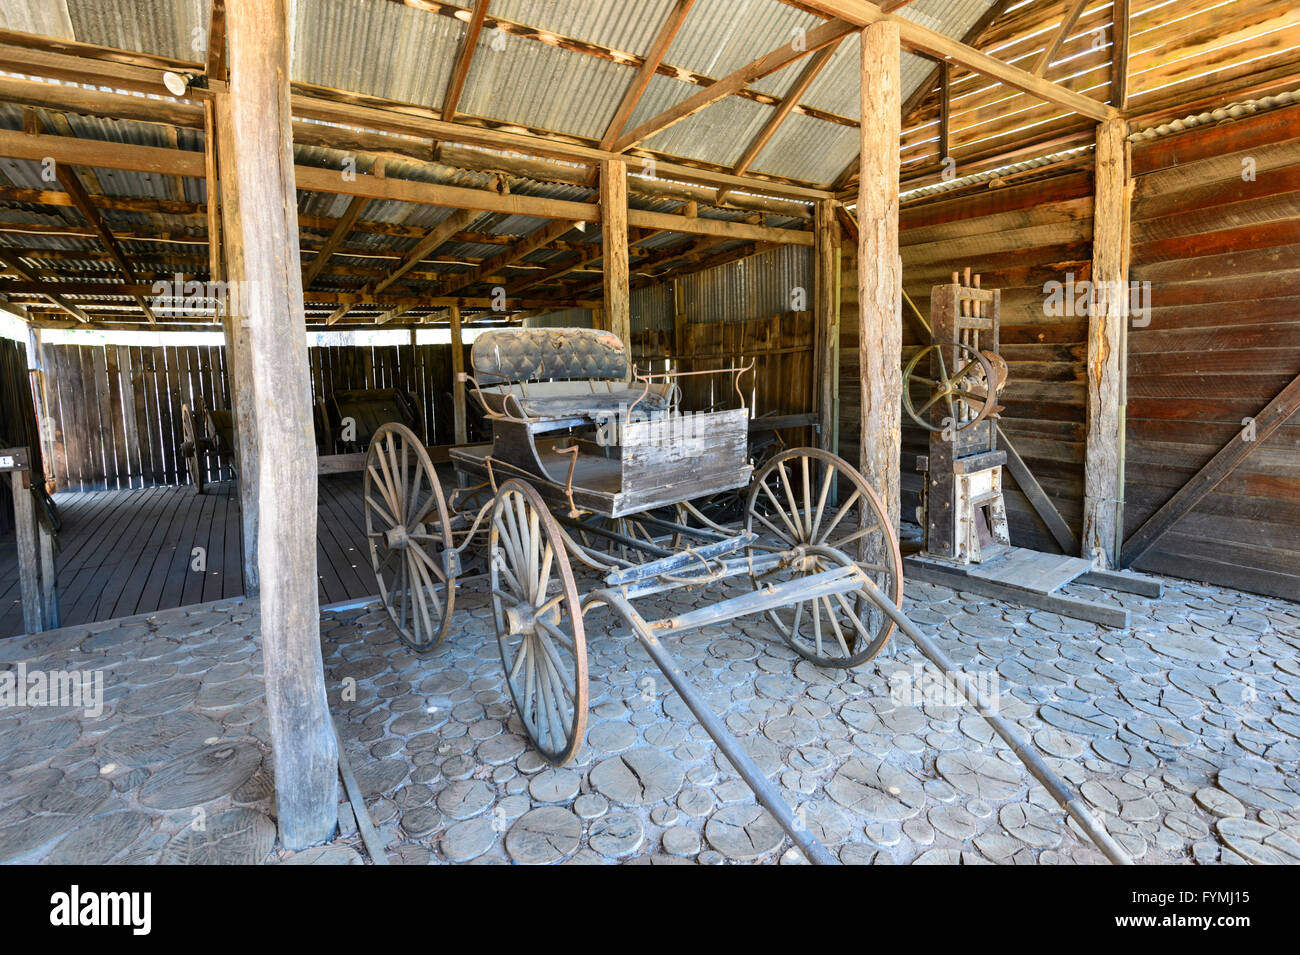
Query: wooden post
[[880, 271], [302, 735], [1108, 315], [229, 262], [29, 564], [613, 228], [825, 326], [458, 382]]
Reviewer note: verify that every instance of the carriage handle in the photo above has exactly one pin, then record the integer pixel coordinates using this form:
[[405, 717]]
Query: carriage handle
[[506, 397], [572, 451], [668, 375]]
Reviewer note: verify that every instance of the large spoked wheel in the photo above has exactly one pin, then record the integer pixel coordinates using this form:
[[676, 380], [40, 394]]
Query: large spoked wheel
[[408, 530], [818, 506], [539, 622], [968, 393], [195, 459]]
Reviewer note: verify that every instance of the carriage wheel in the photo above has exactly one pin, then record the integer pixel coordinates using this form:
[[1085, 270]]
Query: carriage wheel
[[539, 622], [408, 529], [194, 456], [816, 503]]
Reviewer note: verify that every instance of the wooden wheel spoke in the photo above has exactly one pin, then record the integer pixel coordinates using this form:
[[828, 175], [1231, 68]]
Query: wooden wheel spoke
[[429, 562], [860, 533], [821, 503], [794, 505], [512, 668], [835, 625], [839, 515], [817, 625], [560, 636], [853, 618], [386, 493], [794, 533], [775, 530]]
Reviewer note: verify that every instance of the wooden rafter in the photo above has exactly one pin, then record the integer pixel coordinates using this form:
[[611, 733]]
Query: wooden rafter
[[791, 100], [464, 57], [923, 40], [342, 228], [216, 65], [49, 290], [81, 200], [1062, 34], [524, 247], [765, 65], [436, 237], [926, 87], [676, 17], [1119, 55]]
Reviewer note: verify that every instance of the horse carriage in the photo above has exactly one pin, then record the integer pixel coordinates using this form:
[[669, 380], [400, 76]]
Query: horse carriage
[[581, 446], [584, 450]]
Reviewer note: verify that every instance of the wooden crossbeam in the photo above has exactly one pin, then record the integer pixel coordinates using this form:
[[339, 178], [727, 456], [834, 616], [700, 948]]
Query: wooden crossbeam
[[464, 57], [340, 232], [922, 39], [676, 17], [737, 80], [782, 112], [1062, 34], [47, 289], [1274, 415], [179, 162]]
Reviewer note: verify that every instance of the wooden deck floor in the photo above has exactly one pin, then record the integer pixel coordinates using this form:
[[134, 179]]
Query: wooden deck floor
[[128, 552]]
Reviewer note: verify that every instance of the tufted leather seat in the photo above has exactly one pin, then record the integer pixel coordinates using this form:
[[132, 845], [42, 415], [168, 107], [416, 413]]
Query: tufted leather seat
[[558, 373]]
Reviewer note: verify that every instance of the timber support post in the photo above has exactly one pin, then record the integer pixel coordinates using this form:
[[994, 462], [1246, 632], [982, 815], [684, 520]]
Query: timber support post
[[230, 269], [826, 324], [302, 735], [1107, 321], [880, 271], [614, 253], [457, 377]]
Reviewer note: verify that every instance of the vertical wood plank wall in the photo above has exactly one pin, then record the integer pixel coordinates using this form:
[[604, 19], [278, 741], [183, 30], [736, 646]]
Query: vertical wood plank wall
[[1016, 239], [1216, 231], [117, 408]]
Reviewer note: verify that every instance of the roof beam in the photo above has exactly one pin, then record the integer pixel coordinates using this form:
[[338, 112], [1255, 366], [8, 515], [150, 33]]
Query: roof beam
[[67, 177], [48, 289], [1071, 18], [216, 66], [525, 246], [783, 111], [676, 17], [436, 237], [921, 39], [460, 72], [1119, 55], [765, 65]]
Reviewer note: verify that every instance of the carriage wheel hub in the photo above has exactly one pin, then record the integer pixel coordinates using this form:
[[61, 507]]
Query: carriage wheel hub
[[396, 537]]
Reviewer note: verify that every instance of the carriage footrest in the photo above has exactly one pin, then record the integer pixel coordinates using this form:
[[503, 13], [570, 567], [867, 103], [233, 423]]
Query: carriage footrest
[[838, 580], [682, 562]]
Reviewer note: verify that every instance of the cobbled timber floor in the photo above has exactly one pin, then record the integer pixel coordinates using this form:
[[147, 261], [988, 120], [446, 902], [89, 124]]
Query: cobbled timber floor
[[1183, 734]]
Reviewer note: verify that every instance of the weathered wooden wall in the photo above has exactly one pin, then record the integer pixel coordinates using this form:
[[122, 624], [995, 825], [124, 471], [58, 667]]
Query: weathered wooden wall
[[1222, 254], [1016, 239], [117, 408]]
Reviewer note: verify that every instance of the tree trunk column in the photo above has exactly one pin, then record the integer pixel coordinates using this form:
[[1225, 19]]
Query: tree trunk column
[[880, 272], [1107, 317], [306, 759]]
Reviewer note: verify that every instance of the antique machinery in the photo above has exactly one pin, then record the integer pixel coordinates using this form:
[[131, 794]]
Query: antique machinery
[[960, 373]]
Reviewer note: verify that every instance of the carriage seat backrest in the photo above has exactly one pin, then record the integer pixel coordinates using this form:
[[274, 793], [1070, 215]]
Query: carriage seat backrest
[[538, 354]]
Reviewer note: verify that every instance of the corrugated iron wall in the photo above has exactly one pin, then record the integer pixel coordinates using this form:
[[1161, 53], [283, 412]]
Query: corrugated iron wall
[[756, 287]]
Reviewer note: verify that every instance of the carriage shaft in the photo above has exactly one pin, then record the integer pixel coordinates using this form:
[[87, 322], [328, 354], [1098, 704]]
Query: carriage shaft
[[767, 794], [1037, 767]]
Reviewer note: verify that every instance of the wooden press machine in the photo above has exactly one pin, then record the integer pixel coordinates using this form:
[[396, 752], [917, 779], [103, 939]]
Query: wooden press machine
[[962, 510]]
